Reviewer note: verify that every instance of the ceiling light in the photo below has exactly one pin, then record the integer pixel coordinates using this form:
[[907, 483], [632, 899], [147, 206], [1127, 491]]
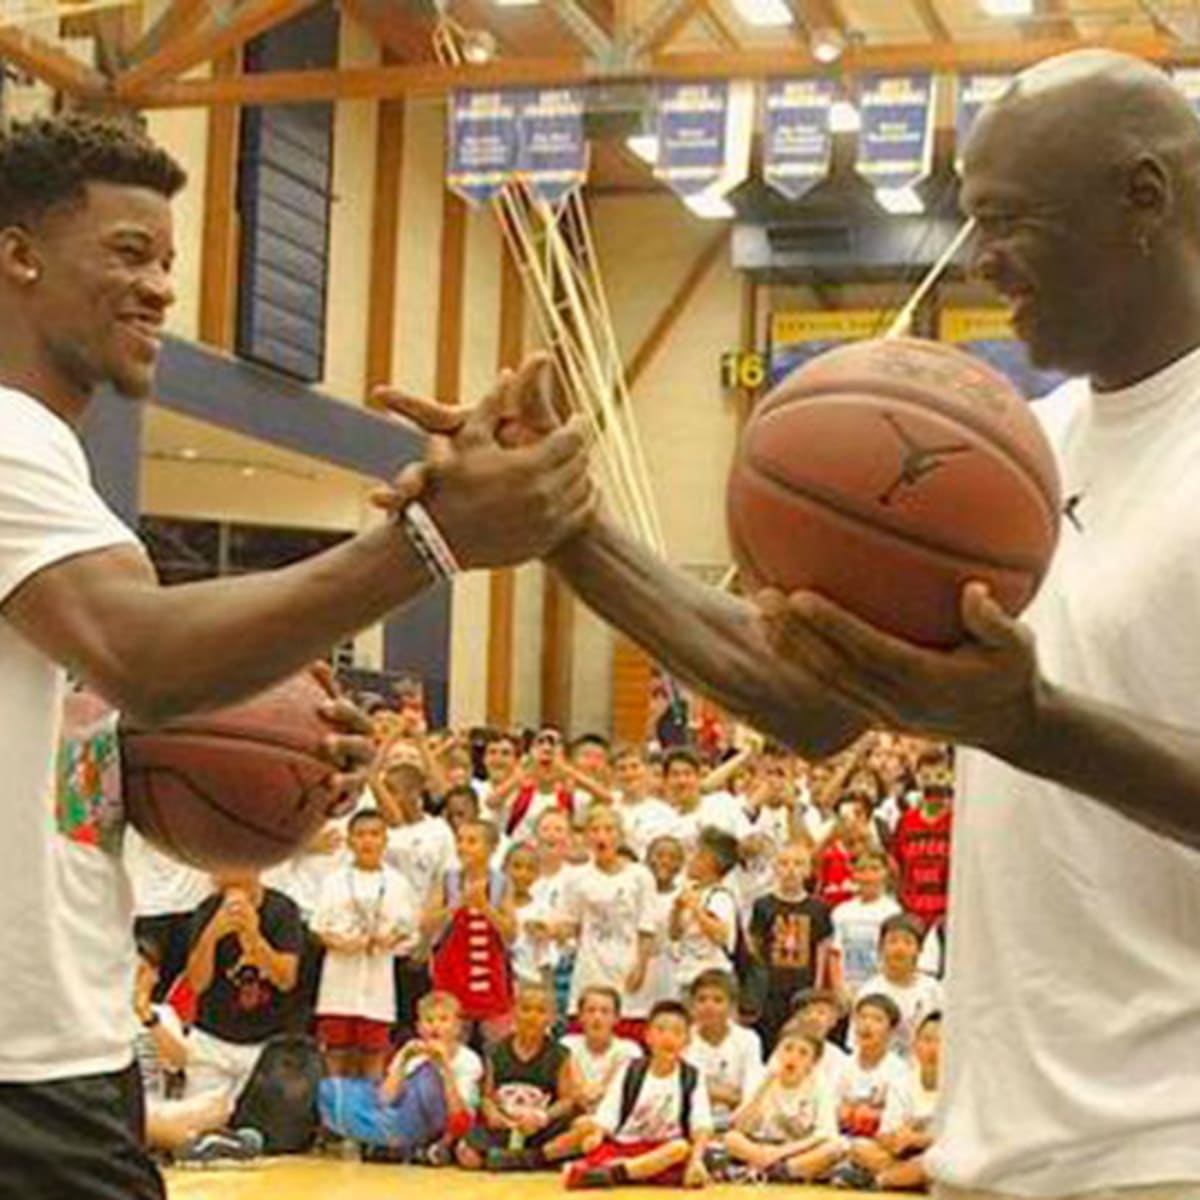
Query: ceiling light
[[902, 201], [516, 3], [189, 454], [248, 472], [478, 46], [1007, 8], [645, 146], [710, 207], [827, 45], [844, 117], [763, 13]]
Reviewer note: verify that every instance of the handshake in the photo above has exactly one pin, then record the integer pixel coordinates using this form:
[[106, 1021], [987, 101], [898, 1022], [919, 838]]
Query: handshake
[[505, 481]]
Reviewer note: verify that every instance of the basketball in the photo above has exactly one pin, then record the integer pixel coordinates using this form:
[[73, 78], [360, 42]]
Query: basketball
[[885, 475], [236, 787]]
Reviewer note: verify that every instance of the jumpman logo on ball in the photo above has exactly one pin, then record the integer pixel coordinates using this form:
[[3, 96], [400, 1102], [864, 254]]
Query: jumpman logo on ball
[[916, 461]]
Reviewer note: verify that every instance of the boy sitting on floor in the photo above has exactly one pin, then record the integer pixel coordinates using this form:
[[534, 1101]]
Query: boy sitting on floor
[[655, 1121], [530, 1094], [787, 1132]]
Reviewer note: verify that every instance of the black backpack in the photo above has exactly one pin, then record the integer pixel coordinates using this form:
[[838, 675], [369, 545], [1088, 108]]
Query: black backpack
[[280, 1097], [635, 1076]]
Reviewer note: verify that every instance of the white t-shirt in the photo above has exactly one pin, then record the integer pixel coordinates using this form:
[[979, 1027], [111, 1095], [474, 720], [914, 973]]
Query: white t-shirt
[[1073, 943], [66, 909], [863, 1093], [530, 954], [162, 885], [736, 1061], [695, 952], [646, 820], [792, 1114], [835, 1062], [755, 878], [914, 1105], [302, 877], [856, 926], [657, 1113], [422, 852], [354, 903], [467, 1069], [915, 1002], [660, 982], [611, 910], [599, 1070]]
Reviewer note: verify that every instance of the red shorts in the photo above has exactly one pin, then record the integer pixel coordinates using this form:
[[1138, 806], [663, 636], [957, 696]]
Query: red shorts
[[609, 1152], [354, 1033]]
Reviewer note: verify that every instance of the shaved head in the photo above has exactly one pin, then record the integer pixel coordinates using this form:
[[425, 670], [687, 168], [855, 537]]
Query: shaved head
[[1084, 177]]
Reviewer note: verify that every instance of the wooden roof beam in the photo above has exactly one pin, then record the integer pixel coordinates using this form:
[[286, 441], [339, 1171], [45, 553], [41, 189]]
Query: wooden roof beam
[[408, 37], [933, 20], [663, 25], [719, 26], [1052, 19], [217, 36], [49, 63], [173, 22], [430, 79]]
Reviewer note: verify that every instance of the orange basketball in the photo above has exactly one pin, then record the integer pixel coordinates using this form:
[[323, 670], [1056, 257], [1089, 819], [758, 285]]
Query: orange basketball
[[885, 475], [238, 787]]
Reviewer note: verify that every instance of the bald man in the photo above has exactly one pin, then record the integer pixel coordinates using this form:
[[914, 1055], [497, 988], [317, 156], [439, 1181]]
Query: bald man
[[1073, 989]]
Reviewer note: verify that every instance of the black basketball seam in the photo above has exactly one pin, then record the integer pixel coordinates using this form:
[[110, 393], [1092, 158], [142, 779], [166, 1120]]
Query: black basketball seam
[[857, 393], [830, 501]]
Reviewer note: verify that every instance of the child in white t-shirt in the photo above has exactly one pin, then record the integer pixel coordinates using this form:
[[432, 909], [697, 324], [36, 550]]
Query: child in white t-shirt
[[704, 920], [874, 1074], [607, 909], [818, 1013], [728, 1055], [643, 815], [895, 1159], [597, 1052], [530, 953], [664, 858], [367, 915], [787, 1131], [858, 923], [916, 995]]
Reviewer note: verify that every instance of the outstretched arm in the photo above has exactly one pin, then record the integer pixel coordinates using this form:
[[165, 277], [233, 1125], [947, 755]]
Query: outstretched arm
[[706, 637]]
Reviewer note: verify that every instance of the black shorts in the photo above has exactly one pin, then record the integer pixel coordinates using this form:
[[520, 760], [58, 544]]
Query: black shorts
[[482, 1139], [76, 1139]]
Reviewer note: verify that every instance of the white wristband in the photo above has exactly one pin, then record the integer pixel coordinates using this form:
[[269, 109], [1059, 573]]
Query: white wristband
[[428, 541]]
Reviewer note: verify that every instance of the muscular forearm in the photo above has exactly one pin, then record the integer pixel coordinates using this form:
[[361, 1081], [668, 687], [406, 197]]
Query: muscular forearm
[[703, 636], [158, 652], [1146, 770]]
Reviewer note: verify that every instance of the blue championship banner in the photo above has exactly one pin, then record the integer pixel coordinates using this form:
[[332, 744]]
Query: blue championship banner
[[797, 337], [704, 133], [482, 149], [895, 146], [552, 152], [797, 140], [975, 92], [988, 334]]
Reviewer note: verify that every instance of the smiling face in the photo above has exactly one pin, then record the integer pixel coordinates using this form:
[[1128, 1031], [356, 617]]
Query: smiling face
[[102, 287], [683, 784]]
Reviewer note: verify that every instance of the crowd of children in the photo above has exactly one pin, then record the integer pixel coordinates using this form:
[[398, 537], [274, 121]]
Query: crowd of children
[[519, 955]]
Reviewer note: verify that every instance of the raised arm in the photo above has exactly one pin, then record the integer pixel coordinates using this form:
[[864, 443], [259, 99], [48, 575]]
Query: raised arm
[[704, 636]]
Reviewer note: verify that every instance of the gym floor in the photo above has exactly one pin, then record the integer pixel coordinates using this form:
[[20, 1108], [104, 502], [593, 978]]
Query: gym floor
[[331, 1179]]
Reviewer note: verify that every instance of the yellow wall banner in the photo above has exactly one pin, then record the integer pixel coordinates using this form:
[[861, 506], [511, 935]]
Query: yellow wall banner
[[797, 337], [988, 334]]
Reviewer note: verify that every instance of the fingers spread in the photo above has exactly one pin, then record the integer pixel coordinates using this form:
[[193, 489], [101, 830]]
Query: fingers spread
[[347, 717]]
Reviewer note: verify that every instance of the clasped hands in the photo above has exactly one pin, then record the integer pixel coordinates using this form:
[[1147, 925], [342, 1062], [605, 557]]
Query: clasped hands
[[984, 692]]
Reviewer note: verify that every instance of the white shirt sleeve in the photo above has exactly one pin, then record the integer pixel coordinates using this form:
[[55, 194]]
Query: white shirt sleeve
[[752, 1066], [329, 914], [646, 922], [723, 906], [825, 1106], [49, 509], [702, 1117], [897, 1108]]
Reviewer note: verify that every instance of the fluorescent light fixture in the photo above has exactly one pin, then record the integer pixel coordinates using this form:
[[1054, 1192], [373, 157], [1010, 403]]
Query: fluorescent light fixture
[[711, 208], [516, 3], [645, 146], [763, 13], [827, 45], [844, 117], [903, 202], [478, 46], [188, 454], [1007, 8], [248, 472]]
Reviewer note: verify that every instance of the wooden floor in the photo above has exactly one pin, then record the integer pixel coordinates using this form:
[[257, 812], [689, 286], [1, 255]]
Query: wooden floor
[[325, 1179]]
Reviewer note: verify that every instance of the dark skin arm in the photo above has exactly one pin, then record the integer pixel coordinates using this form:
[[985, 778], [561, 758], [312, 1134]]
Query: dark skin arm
[[158, 652], [990, 693]]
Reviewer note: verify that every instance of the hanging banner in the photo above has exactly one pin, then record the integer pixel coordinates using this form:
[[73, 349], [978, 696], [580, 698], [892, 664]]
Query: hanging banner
[[988, 334], [797, 139], [552, 152], [1187, 80], [895, 146], [797, 337], [975, 92], [704, 132], [482, 149]]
